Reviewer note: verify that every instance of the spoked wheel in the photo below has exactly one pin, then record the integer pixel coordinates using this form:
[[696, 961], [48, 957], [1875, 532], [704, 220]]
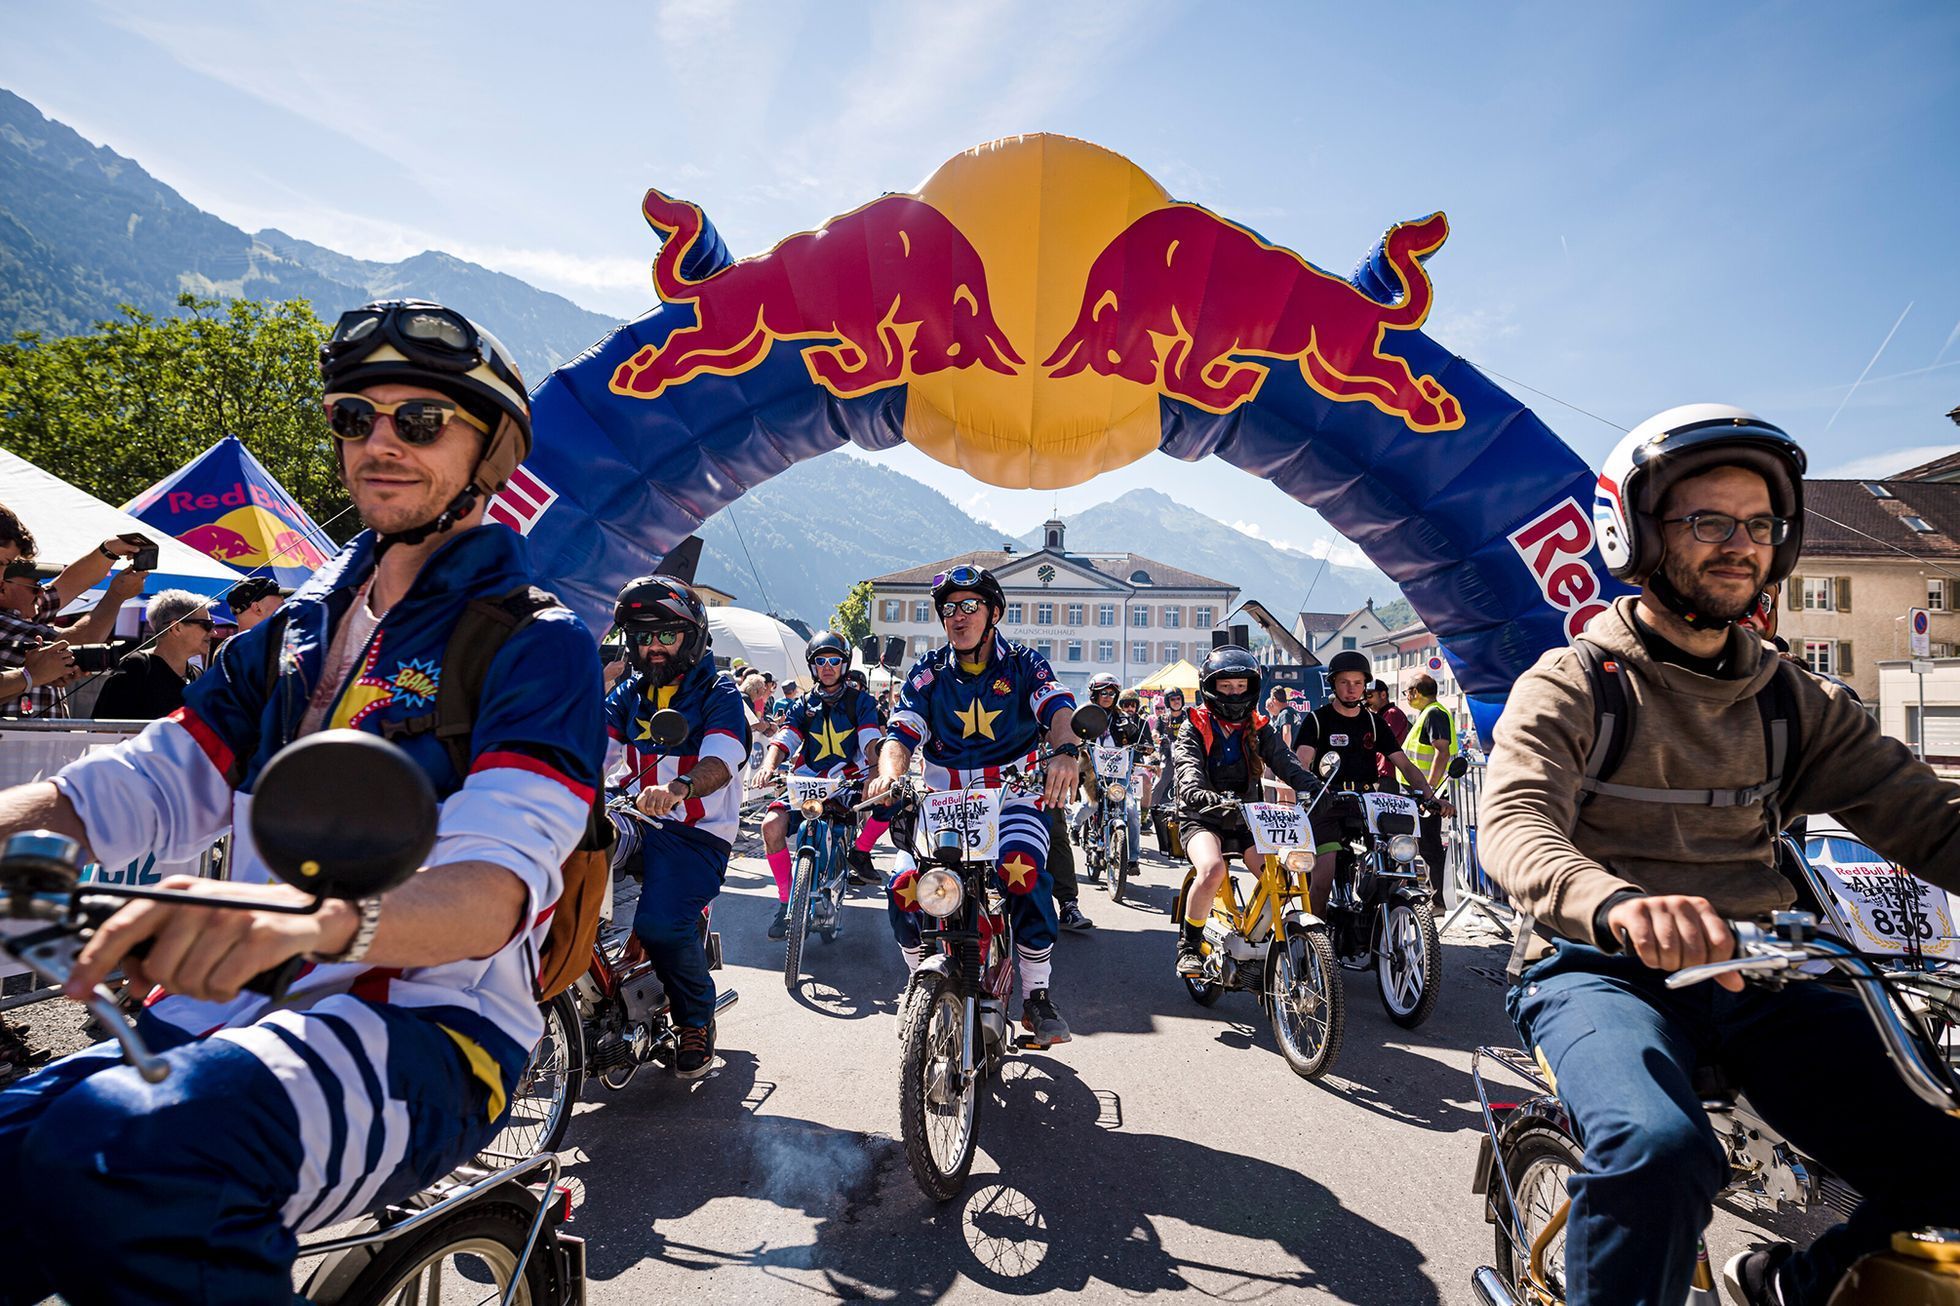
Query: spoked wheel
[[541, 1106], [1539, 1162], [1203, 993], [1306, 1002], [939, 1109], [470, 1256], [799, 917], [1120, 854], [1409, 963]]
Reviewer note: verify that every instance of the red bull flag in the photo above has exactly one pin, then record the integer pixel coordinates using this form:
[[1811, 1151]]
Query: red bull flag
[[1039, 311], [226, 505]]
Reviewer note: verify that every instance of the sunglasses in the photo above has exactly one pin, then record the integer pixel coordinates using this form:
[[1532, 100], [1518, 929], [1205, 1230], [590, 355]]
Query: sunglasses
[[206, 622], [1719, 527], [827, 661], [417, 421], [664, 638], [967, 606]]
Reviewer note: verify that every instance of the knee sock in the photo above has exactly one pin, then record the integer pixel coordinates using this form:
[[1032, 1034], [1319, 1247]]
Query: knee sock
[[1035, 974], [1194, 933], [873, 828], [779, 867]]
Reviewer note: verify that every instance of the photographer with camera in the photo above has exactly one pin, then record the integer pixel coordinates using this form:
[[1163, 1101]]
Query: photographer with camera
[[37, 658], [150, 683]]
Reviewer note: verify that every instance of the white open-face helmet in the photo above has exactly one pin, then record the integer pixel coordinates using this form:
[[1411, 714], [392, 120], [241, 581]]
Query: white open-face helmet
[[1677, 444]]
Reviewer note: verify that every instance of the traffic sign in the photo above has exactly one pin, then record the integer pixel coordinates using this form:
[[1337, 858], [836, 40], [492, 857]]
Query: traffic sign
[[1922, 666], [1920, 627]]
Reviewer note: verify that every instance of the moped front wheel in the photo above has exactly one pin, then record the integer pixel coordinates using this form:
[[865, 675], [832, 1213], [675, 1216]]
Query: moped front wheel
[[1306, 1002], [1120, 856], [1409, 962], [801, 887], [938, 1106]]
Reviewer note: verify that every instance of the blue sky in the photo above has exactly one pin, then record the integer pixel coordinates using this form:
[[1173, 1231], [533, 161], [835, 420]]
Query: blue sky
[[1650, 204]]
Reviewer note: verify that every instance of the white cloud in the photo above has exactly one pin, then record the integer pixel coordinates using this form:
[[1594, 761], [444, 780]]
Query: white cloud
[[1339, 552], [1470, 331], [1879, 465]]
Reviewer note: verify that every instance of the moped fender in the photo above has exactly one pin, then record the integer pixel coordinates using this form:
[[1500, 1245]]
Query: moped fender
[[1545, 1110], [1302, 920]]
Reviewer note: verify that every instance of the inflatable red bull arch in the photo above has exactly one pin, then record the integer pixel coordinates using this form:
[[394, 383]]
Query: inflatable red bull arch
[[1041, 311]]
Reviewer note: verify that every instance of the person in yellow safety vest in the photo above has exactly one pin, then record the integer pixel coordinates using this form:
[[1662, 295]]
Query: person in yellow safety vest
[[1430, 744]]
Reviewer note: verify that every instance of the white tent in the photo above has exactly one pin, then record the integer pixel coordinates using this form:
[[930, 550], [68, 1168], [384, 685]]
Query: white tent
[[760, 640], [68, 522]]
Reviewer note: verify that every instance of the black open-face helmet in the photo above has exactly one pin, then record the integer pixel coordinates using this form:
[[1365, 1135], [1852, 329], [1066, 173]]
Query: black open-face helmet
[[827, 643], [1350, 660], [968, 579], [1224, 663], [651, 605]]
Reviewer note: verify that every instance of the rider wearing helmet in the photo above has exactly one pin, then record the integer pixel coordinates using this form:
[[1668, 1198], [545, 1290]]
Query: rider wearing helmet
[[1123, 731], [1632, 873], [1365, 745], [1161, 737], [392, 1055], [686, 788], [1221, 754], [980, 704], [832, 730]]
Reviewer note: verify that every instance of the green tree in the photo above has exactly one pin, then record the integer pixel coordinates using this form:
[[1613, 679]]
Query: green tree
[[852, 617], [123, 406]]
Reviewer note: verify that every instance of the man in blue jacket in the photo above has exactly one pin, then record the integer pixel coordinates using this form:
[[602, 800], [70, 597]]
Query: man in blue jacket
[[395, 1056]]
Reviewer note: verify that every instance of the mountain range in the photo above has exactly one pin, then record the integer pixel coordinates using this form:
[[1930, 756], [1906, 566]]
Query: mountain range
[[83, 229]]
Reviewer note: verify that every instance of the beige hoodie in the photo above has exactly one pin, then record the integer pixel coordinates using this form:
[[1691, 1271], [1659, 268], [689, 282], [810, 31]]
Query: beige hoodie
[[1561, 862]]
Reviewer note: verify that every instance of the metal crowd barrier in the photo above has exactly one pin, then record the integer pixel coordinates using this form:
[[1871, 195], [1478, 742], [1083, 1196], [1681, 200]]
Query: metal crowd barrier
[[1475, 890]]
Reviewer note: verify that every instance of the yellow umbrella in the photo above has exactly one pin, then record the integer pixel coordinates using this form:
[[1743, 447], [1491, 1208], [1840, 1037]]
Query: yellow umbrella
[[1172, 675]]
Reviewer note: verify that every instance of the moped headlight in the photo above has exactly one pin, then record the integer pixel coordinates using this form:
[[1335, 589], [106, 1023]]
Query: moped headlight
[[1299, 861], [1118, 790], [1402, 847], [940, 893], [812, 808]]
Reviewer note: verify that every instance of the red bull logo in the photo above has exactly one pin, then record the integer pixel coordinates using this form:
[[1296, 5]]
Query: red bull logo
[[895, 285], [1181, 296], [1554, 546], [253, 537]]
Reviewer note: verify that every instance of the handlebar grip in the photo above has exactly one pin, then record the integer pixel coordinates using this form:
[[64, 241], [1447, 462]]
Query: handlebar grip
[[271, 983]]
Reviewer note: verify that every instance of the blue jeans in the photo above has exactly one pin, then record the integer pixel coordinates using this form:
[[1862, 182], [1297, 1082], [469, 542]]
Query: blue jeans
[[1624, 1049], [1021, 871], [680, 876]]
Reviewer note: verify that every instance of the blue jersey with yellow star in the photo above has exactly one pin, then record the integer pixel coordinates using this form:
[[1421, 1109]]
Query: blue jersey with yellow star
[[970, 722], [830, 736]]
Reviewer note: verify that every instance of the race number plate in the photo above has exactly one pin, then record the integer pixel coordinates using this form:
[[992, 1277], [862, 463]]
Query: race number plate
[[1276, 828], [807, 788], [975, 813], [1112, 763], [1869, 894], [1378, 805]]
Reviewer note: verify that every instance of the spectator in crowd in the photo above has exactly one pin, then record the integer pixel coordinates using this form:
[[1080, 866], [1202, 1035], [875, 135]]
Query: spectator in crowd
[[254, 599], [771, 704], [1383, 706], [150, 684], [30, 596], [1430, 743], [1279, 710]]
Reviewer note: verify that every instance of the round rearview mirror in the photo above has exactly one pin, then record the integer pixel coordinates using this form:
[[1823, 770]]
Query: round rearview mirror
[[342, 814], [1330, 762], [1090, 721], [667, 728], [1458, 765]]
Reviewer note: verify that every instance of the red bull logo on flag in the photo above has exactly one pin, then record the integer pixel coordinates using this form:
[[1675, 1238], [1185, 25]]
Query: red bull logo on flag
[[227, 506]]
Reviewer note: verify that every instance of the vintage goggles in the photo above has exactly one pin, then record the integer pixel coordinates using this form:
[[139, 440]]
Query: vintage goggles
[[426, 334], [417, 421], [960, 575]]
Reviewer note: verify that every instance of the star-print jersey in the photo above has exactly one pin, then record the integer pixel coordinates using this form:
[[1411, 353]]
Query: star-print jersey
[[716, 727], [537, 743], [967, 725], [830, 736]]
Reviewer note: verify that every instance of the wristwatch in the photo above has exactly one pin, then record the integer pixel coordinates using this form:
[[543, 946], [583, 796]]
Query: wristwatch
[[357, 947], [1069, 750], [103, 549], [687, 780]]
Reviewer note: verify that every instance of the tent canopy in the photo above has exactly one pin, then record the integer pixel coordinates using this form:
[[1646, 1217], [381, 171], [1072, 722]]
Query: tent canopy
[[68, 522], [1172, 675], [225, 504], [759, 639]]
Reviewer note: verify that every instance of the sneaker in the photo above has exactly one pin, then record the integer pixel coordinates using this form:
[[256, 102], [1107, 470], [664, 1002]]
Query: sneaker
[[697, 1051], [1190, 962], [1044, 1024], [1073, 919], [1755, 1278], [862, 871], [779, 926]]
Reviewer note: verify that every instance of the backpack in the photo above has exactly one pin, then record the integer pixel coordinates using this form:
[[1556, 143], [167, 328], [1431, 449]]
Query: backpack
[[1613, 718], [478, 637]]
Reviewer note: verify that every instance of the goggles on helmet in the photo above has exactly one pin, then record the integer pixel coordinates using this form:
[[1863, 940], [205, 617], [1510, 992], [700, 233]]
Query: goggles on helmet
[[430, 336], [960, 575]]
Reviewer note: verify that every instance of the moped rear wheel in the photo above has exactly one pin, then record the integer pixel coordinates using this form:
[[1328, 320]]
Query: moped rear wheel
[[468, 1256], [1409, 962], [1539, 1161], [1202, 993], [938, 1107], [1307, 1004], [801, 888], [541, 1106]]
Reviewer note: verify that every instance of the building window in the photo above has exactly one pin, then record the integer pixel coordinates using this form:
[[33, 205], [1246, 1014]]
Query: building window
[[1075, 650], [921, 645], [1173, 651], [1203, 618], [1014, 613], [1044, 614], [1140, 617], [922, 612], [1347, 642], [1106, 614], [1140, 653], [1939, 650], [1105, 650], [891, 610], [1045, 647], [1075, 614], [1820, 655], [1173, 617], [1820, 593], [1936, 593]]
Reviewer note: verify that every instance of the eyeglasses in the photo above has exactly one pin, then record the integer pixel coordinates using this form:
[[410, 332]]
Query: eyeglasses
[[417, 421], [1719, 527], [827, 661], [960, 575], [967, 606], [664, 638]]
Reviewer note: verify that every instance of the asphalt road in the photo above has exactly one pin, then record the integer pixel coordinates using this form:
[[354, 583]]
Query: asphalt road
[[1166, 1149]]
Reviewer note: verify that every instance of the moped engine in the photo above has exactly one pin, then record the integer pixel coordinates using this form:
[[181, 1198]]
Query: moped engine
[[641, 993]]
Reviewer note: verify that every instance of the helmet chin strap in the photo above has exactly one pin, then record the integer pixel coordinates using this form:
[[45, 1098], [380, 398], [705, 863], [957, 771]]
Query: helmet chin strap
[[1675, 601], [459, 508]]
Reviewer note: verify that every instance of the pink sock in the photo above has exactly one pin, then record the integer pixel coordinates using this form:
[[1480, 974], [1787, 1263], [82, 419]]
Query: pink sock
[[779, 867], [869, 834]]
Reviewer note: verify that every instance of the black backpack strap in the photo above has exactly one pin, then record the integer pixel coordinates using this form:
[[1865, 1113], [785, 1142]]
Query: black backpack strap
[[1612, 716], [474, 642]]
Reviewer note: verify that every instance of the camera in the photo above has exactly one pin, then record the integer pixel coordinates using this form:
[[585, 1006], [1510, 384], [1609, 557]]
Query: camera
[[95, 657], [145, 557]]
